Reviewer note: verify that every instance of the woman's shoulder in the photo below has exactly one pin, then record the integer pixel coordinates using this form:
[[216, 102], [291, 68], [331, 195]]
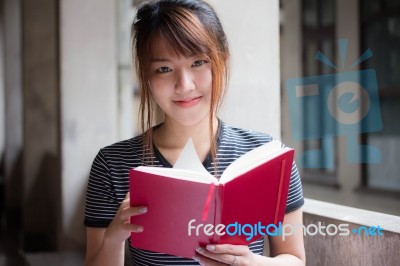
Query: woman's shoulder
[[241, 135], [127, 147], [124, 144]]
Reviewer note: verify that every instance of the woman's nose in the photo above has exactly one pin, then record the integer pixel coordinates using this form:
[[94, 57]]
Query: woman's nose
[[184, 82]]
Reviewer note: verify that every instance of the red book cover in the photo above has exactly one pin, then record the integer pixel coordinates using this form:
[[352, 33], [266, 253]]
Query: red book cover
[[187, 207]]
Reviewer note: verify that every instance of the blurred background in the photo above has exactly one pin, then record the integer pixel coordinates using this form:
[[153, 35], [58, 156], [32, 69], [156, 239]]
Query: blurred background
[[67, 89]]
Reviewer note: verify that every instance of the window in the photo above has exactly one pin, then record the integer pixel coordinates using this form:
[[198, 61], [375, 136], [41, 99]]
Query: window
[[375, 25], [318, 19], [380, 31]]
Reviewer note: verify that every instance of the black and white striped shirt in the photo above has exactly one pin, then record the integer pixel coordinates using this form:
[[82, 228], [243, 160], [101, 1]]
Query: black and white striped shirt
[[109, 182]]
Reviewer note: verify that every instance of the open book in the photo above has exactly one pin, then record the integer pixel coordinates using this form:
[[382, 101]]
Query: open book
[[188, 207]]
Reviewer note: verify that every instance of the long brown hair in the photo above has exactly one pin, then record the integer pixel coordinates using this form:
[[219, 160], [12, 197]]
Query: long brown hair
[[190, 27]]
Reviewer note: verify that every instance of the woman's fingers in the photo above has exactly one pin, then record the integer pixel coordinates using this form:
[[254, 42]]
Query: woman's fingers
[[127, 211], [224, 254], [208, 256], [132, 211], [134, 228], [126, 202], [121, 228], [226, 248], [208, 262]]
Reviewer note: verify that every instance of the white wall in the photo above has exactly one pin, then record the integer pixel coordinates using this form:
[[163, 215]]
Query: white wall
[[88, 98], [253, 99], [127, 118]]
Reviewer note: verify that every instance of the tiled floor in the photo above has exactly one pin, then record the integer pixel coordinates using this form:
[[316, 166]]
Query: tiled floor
[[7, 260], [12, 255], [9, 254], [59, 259]]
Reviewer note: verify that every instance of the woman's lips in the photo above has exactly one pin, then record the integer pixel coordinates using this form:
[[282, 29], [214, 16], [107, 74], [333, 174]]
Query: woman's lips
[[188, 103]]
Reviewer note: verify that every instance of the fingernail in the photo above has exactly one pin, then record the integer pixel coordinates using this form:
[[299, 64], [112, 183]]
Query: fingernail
[[143, 210], [140, 229], [200, 250], [196, 258], [210, 247]]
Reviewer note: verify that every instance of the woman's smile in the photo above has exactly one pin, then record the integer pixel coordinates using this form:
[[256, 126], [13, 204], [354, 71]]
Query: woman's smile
[[187, 103]]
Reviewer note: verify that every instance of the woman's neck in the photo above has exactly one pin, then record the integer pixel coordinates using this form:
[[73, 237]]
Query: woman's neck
[[170, 138]]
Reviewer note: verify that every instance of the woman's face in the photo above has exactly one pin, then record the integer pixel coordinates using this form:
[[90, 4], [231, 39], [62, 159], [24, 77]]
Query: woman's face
[[181, 86]]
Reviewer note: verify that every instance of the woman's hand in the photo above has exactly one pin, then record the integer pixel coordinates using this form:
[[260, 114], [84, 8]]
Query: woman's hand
[[120, 228], [106, 246], [217, 255]]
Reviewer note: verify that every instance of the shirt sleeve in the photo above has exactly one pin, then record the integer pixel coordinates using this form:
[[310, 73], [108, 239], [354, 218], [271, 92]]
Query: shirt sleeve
[[295, 196], [101, 204]]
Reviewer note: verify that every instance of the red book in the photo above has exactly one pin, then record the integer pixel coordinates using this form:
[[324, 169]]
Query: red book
[[188, 207]]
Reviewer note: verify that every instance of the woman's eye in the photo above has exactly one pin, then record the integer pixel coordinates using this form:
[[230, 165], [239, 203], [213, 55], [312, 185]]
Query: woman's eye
[[199, 63], [163, 69]]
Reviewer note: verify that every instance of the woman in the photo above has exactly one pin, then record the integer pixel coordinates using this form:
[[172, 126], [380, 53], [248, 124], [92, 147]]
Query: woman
[[181, 55]]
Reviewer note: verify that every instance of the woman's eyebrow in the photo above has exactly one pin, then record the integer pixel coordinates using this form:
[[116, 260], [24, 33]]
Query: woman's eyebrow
[[163, 59], [153, 60]]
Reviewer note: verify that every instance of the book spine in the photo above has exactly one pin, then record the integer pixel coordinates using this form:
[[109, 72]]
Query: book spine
[[219, 199], [278, 202], [207, 204]]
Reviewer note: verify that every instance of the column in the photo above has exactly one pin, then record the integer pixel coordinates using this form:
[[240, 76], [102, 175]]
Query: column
[[89, 121], [41, 201]]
